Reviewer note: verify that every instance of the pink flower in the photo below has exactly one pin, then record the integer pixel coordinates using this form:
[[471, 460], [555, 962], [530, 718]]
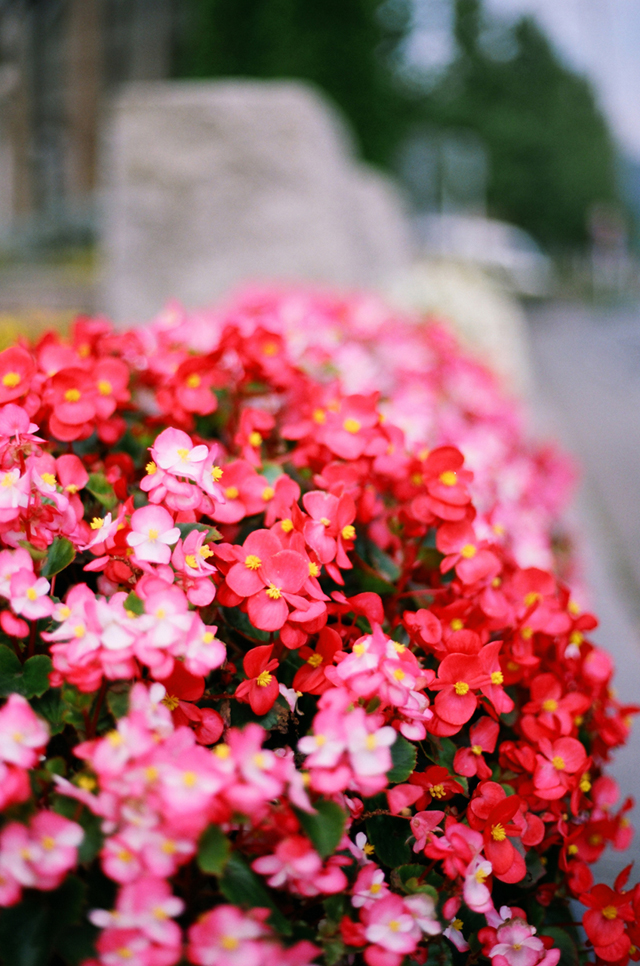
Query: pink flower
[[152, 533], [225, 936], [29, 595], [518, 945], [23, 734], [389, 924], [174, 452]]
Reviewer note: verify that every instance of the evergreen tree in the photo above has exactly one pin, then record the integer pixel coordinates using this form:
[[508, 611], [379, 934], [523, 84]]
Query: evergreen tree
[[551, 156]]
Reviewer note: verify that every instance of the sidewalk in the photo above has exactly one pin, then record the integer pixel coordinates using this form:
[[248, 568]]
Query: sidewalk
[[587, 373]]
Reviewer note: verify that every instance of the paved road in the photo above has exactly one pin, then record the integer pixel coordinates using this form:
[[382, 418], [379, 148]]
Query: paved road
[[587, 375]]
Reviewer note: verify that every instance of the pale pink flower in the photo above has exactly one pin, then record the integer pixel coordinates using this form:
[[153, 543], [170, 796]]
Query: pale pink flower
[[174, 452], [29, 595], [22, 733], [152, 533]]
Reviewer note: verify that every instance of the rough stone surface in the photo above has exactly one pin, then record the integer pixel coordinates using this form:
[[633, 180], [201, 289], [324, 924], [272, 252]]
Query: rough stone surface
[[208, 184]]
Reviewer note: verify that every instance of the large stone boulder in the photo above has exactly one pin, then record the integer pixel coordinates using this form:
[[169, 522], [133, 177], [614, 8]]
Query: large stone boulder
[[210, 184]]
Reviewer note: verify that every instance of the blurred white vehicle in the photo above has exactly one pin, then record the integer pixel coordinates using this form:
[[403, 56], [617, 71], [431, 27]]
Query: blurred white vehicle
[[506, 252]]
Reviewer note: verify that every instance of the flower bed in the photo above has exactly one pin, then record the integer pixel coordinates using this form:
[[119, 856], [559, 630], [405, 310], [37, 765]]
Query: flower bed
[[292, 672]]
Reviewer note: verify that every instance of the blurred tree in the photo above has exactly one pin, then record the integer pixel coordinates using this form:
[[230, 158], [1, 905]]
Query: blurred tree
[[347, 47], [551, 155]]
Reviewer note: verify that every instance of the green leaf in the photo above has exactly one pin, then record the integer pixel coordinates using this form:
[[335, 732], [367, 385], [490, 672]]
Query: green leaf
[[562, 941], [100, 487], [134, 604], [30, 679], [29, 931], [404, 755], [389, 835], [445, 753], [334, 907], [61, 554], [241, 886], [118, 703], [50, 707], [383, 563], [213, 850], [212, 532], [325, 827]]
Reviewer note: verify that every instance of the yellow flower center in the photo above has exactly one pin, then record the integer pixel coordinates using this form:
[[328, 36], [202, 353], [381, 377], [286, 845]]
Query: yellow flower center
[[270, 349], [49, 479], [216, 473], [320, 740], [48, 843], [351, 425], [97, 523], [31, 594], [476, 749], [576, 638], [86, 782], [264, 679], [193, 381], [325, 521], [497, 677], [287, 525], [558, 762], [72, 395], [370, 742], [315, 660], [375, 888], [268, 493], [449, 478], [480, 876], [232, 493], [469, 551], [151, 468], [252, 562], [457, 925], [10, 380], [255, 438], [104, 387], [7, 480], [348, 532], [437, 791], [222, 751], [531, 598], [610, 912], [394, 925], [498, 833], [550, 705], [572, 849], [229, 942], [585, 784], [359, 649], [273, 592], [191, 561], [527, 632], [189, 778], [208, 637], [171, 701], [153, 534], [456, 624], [399, 674], [319, 416], [314, 569], [79, 630], [461, 687]]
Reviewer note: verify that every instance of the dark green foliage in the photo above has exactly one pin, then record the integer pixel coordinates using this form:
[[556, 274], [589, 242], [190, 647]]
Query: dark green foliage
[[213, 850], [551, 156], [404, 755], [30, 679], [324, 827], [346, 47]]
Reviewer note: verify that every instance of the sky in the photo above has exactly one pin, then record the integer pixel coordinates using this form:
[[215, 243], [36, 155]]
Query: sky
[[600, 38]]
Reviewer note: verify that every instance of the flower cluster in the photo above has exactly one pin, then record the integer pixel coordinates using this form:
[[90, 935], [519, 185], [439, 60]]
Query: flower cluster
[[294, 672]]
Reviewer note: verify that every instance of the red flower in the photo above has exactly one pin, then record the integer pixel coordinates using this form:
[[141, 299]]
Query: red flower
[[437, 784], [556, 767], [16, 371], [483, 736], [458, 677], [604, 921], [261, 688], [184, 688]]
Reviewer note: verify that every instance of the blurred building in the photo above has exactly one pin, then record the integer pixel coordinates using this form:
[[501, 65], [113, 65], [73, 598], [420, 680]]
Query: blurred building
[[59, 61]]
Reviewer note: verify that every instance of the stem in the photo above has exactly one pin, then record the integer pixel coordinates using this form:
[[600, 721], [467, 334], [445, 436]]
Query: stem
[[96, 713], [32, 639]]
